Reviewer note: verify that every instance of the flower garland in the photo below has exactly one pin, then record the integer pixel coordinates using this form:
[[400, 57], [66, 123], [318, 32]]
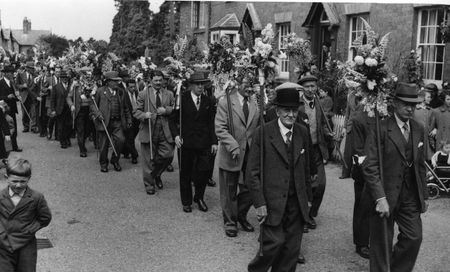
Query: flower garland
[[367, 75], [263, 56]]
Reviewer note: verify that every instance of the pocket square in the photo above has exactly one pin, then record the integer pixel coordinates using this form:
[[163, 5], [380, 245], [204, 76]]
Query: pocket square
[[302, 151], [420, 145]]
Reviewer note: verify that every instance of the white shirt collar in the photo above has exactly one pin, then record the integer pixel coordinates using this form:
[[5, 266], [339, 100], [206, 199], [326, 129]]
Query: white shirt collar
[[240, 98], [7, 81], [11, 192], [284, 130], [400, 123], [194, 97]]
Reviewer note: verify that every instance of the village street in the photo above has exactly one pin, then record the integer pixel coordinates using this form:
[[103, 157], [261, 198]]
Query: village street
[[105, 222]]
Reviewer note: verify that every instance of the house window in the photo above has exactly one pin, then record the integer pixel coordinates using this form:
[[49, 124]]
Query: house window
[[215, 36], [198, 10], [232, 34], [429, 42], [283, 30], [356, 28]]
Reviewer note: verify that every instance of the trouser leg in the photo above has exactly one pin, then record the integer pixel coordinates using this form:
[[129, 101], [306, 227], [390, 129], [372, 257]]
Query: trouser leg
[[27, 257], [25, 118], [186, 163], [318, 187], [116, 132], [228, 183], [103, 144], [244, 201], [147, 166], [14, 135], [360, 212], [202, 166]]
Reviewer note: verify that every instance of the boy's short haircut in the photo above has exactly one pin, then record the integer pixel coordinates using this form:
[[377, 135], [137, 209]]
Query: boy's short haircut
[[18, 166]]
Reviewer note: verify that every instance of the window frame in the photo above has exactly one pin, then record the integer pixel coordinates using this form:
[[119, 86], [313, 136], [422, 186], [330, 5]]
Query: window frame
[[284, 63], [351, 47], [430, 76]]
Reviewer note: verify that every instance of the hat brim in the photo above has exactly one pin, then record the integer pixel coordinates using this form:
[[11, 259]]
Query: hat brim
[[287, 105], [410, 100], [306, 79], [114, 79], [199, 81]]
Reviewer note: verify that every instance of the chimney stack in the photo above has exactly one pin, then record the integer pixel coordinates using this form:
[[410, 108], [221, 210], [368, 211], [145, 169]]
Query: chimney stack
[[26, 25]]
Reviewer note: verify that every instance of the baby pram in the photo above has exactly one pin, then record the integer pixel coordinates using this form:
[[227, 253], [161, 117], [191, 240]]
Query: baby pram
[[438, 179]]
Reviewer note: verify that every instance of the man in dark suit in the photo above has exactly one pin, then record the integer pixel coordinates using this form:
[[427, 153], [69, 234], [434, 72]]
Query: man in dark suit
[[25, 84], [8, 94], [281, 199], [401, 196], [233, 153], [60, 109], [108, 110], [130, 100], [23, 212], [155, 103], [318, 132], [197, 140]]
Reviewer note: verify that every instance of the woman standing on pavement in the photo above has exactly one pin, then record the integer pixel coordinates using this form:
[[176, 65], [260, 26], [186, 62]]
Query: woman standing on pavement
[[423, 115], [441, 121]]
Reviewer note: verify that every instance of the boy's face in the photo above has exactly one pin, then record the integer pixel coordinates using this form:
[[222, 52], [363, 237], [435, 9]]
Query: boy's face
[[446, 149], [17, 183]]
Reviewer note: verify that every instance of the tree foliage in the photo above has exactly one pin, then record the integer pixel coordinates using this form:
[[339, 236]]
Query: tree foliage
[[53, 44]]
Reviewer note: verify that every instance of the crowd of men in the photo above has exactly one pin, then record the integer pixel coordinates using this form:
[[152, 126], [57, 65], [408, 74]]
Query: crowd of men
[[286, 184]]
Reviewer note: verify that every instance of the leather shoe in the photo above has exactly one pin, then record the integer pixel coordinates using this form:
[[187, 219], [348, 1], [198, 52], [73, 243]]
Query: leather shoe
[[305, 229], [63, 146], [151, 190], [117, 167], [158, 182], [187, 209], [363, 251], [104, 169], [311, 224], [246, 226], [301, 259], [169, 168], [231, 233], [201, 205], [25, 130], [17, 150], [134, 160], [211, 183], [83, 154]]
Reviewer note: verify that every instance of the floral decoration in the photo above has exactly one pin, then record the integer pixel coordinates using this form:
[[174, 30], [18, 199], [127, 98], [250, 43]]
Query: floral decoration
[[298, 50], [263, 55]]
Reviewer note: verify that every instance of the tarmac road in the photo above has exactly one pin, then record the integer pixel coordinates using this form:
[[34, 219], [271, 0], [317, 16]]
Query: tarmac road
[[106, 222]]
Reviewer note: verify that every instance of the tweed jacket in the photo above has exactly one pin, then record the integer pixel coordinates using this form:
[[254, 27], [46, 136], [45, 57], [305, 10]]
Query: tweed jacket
[[74, 98], [243, 131], [273, 190], [19, 224], [26, 85], [102, 99], [393, 158], [143, 106]]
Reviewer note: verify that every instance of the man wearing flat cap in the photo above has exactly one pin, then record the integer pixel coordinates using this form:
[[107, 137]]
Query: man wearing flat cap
[[60, 110], [196, 139], [110, 116], [154, 106], [401, 198], [281, 198], [318, 132], [25, 84], [8, 94]]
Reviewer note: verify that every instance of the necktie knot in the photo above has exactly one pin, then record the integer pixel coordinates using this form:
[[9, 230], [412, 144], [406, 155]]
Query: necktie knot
[[406, 131], [288, 137]]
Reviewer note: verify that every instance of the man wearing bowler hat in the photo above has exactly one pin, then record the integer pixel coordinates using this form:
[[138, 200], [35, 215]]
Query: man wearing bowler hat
[[402, 195], [281, 199], [196, 139], [111, 117]]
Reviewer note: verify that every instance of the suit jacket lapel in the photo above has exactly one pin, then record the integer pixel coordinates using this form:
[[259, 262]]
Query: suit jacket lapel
[[298, 144], [26, 199], [5, 201], [396, 136], [236, 106], [251, 111], [415, 138], [277, 141], [152, 93]]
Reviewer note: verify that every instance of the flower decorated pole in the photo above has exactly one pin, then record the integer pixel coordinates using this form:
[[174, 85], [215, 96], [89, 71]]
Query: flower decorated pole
[[370, 79]]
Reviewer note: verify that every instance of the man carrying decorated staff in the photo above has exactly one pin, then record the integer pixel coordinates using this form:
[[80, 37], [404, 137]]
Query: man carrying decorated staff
[[52, 79], [281, 197], [318, 132], [8, 94], [79, 101], [111, 117], [196, 140], [235, 140], [25, 84], [401, 196], [131, 133], [44, 92], [155, 105], [60, 110]]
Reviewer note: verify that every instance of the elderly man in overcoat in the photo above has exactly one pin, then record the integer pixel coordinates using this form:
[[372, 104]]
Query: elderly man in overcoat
[[234, 147], [401, 197], [281, 198]]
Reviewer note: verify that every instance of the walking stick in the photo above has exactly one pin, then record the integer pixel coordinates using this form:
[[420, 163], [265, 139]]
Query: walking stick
[[261, 150], [149, 124], [317, 101], [106, 129], [380, 164], [230, 112]]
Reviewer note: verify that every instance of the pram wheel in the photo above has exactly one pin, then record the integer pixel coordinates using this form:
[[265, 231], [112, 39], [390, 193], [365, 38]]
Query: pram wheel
[[433, 191]]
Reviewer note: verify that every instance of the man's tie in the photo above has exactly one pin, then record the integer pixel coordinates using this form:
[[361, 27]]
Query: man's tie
[[197, 104], [311, 105], [158, 100], [406, 131], [288, 138], [245, 109]]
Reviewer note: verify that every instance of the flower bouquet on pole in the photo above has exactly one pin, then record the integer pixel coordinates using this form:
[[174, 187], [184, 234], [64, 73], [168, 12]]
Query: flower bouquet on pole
[[371, 79], [298, 50]]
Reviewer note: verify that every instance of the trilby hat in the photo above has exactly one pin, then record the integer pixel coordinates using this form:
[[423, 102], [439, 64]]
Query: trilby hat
[[407, 92], [199, 76]]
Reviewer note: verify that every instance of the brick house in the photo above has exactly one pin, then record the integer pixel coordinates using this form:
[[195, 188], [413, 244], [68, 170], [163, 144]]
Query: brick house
[[335, 25]]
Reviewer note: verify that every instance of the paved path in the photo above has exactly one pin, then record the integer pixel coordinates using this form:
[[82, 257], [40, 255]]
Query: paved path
[[106, 222]]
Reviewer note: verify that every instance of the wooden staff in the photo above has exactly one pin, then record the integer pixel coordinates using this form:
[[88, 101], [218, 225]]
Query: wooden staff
[[230, 111], [317, 101], [106, 129], [380, 164], [149, 122], [261, 150]]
